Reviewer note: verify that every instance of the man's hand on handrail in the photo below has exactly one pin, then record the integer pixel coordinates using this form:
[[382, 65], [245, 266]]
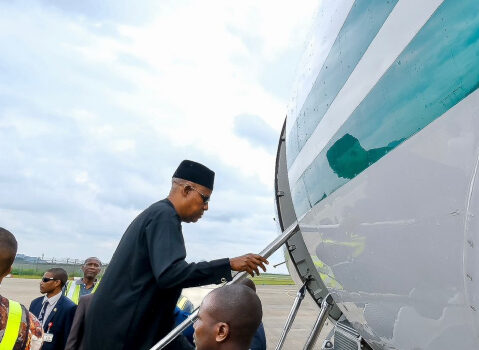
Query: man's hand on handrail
[[248, 263]]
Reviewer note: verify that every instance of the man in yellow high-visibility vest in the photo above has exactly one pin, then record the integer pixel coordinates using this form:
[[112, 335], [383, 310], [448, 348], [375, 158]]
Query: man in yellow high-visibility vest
[[86, 285], [19, 329]]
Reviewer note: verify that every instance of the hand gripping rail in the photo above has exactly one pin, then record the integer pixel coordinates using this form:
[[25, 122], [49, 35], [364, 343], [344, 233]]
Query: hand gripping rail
[[266, 252]]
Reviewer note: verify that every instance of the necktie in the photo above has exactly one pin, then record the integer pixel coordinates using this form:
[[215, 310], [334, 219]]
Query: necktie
[[42, 312]]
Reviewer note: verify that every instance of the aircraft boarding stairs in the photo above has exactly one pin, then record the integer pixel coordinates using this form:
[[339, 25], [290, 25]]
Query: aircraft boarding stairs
[[344, 337]]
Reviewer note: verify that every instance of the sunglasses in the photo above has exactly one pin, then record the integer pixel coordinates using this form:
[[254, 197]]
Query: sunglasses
[[205, 199], [48, 279]]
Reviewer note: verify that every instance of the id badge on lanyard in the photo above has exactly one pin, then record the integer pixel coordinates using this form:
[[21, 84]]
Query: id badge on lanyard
[[48, 337]]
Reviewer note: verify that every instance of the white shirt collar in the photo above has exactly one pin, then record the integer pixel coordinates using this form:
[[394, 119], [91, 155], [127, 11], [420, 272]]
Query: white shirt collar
[[52, 300]]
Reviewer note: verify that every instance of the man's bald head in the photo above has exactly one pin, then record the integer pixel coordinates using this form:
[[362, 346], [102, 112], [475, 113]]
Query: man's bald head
[[8, 250], [229, 316], [249, 283]]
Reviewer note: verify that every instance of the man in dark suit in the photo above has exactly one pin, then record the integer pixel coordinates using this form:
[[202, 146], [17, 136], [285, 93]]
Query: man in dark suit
[[54, 310], [75, 339], [134, 303]]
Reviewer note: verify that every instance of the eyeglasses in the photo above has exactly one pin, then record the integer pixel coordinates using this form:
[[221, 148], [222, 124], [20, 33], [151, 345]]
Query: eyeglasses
[[48, 279], [205, 198]]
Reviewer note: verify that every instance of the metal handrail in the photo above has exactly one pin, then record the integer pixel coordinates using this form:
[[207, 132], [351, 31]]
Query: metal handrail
[[292, 315], [326, 306], [266, 253]]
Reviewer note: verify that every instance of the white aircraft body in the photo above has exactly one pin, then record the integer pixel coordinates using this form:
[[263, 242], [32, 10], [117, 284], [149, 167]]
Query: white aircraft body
[[378, 164]]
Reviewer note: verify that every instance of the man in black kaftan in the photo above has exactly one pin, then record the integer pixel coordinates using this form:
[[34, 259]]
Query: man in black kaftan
[[133, 307]]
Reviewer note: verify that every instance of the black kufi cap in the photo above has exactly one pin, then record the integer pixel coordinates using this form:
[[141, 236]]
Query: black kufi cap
[[195, 172]]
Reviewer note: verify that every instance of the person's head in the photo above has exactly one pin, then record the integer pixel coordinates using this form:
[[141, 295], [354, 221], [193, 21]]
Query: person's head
[[8, 250], [191, 188], [91, 267], [53, 281], [228, 318], [248, 282]]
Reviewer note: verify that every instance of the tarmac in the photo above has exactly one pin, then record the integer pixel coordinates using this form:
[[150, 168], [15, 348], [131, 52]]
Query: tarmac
[[276, 301]]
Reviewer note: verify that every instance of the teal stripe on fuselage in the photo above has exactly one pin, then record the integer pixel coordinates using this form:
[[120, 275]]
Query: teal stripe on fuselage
[[436, 70], [362, 24]]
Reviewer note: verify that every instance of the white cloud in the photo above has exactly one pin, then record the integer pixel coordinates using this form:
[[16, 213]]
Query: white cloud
[[81, 177], [97, 110]]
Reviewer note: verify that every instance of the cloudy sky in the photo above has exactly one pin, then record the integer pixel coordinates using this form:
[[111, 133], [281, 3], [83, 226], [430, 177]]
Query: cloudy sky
[[100, 101]]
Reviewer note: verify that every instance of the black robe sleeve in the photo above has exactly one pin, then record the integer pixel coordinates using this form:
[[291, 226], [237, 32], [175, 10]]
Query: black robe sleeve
[[166, 250]]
